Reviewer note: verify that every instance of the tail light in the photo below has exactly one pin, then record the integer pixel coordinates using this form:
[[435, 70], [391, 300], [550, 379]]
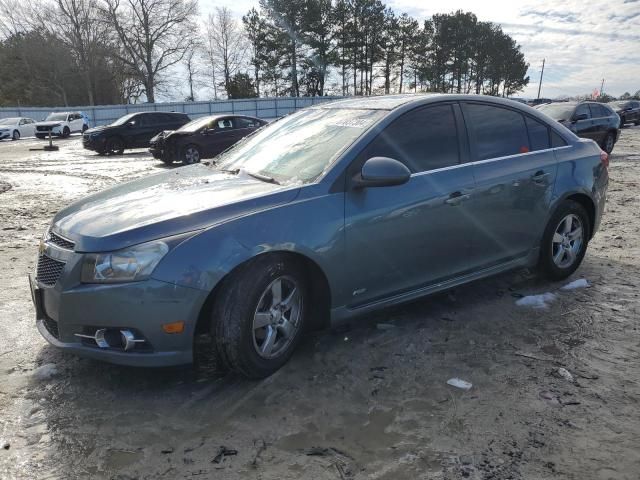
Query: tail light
[[604, 158]]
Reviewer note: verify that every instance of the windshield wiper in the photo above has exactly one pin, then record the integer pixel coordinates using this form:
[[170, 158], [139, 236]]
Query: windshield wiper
[[264, 178]]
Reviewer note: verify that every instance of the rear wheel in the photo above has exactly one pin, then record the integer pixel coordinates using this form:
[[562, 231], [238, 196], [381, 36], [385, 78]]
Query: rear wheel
[[85, 127], [259, 315], [608, 142], [115, 146], [565, 241], [16, 135], [190, 155]]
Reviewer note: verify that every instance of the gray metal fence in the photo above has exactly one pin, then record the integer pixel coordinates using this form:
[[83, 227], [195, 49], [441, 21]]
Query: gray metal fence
[[102, 115]]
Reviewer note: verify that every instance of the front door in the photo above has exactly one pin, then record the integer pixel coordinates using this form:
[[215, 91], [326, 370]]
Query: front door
[[515, 170], [405, 237]]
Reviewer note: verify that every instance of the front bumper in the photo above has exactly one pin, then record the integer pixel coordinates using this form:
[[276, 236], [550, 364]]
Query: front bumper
[[144, 307], [97, 144]]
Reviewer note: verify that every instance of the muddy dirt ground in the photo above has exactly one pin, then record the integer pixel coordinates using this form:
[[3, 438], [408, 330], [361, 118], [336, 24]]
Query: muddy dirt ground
[[367, 401]]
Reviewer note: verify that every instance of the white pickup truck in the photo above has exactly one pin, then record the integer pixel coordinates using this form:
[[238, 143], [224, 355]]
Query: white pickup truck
[[62, 124]]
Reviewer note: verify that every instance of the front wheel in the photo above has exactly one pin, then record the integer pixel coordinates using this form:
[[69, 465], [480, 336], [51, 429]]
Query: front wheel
[[565, 241], [115, 146], [259, 315], [190, 155], [66, 132], [16, 135]]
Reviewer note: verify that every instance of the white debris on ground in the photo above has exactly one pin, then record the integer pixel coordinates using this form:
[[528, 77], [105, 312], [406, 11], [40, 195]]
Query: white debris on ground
[[536, 301], [580, 283], [459, 383], [564, 373], [45, 371]]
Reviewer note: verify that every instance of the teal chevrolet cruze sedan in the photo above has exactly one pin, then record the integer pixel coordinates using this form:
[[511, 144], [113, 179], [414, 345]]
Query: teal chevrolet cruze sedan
[[331, 212]]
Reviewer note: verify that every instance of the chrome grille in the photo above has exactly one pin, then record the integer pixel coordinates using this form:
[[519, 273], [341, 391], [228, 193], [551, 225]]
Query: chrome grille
[[48, 270], [59, 241]]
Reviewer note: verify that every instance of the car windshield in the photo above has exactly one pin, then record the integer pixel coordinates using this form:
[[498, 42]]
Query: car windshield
[[9, 121], [557, 111], [195, 125], [299, 148], [123, 120], [57, 117]]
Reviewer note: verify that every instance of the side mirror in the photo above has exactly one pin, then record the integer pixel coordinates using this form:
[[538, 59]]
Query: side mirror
[[208, 131], [131, 124], [582, 116], [381, 172]]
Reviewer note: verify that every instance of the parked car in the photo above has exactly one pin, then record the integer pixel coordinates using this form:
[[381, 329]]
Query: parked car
[[131, 131], [202, 138], [627, 110], [331, 212], [593, 120], [16, 127], [62, 124]]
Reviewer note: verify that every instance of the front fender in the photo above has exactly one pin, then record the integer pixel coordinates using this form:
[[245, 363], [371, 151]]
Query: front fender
[[311, 226]]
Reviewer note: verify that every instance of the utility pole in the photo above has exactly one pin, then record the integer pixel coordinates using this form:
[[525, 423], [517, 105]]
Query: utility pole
[[601, 87], [541, 73]]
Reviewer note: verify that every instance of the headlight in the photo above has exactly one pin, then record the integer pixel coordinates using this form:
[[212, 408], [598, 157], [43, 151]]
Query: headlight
[[127, 265]]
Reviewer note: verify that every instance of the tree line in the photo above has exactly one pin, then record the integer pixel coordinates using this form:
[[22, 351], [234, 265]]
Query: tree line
[[125, 51]]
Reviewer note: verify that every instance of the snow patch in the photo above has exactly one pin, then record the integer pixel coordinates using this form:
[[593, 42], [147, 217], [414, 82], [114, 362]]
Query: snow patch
[[459, 383], [536, 301], [45, 371], [580, 283]]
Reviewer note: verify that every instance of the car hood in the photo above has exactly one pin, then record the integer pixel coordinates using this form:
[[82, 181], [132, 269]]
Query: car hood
[[99, 129], [49, 123], [6, 125], [181, 200]]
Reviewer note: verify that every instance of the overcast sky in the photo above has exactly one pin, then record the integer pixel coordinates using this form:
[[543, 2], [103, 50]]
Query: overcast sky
[[583, 41]]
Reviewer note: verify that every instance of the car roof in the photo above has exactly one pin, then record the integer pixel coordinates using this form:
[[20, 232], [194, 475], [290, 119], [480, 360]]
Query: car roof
[[392, 102]]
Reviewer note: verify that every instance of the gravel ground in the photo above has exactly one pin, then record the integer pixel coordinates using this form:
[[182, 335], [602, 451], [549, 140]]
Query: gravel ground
[[367, 401]]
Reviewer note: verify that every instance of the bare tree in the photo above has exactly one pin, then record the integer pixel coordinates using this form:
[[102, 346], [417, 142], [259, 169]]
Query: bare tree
[[13, 17], [226, 43], [154, 35], [194, 70]]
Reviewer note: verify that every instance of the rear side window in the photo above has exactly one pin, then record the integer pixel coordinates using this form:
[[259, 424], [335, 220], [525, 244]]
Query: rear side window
[[496, 132], [557, 140], [423, 139], [242, 122], [538, 134]]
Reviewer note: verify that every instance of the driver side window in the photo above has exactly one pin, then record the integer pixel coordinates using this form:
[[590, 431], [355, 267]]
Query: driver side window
[[423, 139]]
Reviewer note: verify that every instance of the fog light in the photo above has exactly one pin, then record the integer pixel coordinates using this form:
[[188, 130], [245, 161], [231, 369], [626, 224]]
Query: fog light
[[175, 327]]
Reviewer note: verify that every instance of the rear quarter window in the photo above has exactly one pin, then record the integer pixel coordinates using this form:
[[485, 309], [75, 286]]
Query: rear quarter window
[[495, 131], [538, 134]]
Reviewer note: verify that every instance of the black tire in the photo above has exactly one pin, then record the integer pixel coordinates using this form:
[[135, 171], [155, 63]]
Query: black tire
[[191, 154], [609, 142], [85, 127], [66, 132], [16, 135], [115, 146], [622, 122], [241, 296], [637, 122], [546, 264]]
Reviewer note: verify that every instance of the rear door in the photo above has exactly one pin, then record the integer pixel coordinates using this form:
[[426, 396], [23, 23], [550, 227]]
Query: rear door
[[515, 170], [404, 237], [600, 117]]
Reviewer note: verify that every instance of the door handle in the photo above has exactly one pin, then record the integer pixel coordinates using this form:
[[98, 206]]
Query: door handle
[[456, 198], [538, 177]]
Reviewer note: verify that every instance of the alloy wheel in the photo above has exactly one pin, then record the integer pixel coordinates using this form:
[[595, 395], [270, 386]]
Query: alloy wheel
[[609, 143], [191, 155], [16, 135], [277, 318], [567, 241]]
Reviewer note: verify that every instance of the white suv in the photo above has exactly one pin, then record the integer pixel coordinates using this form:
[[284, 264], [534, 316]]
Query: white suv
[[62, 124]]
